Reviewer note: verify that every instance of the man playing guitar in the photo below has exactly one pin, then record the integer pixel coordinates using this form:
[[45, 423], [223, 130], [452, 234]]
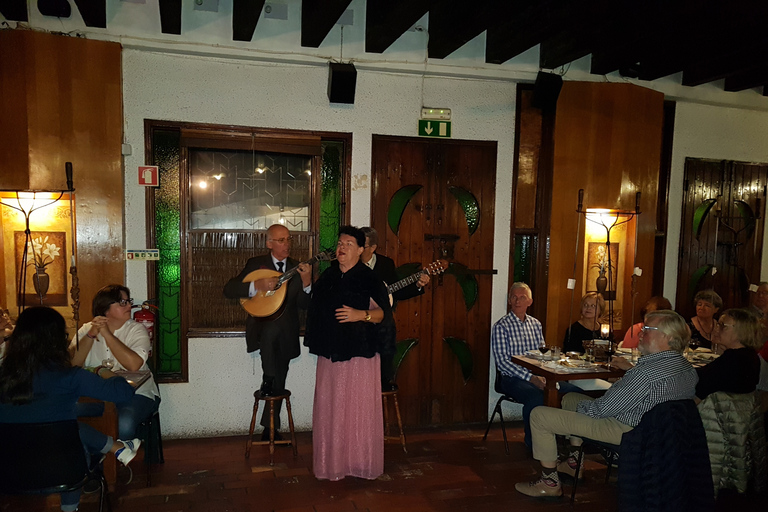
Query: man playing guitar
[[277, 336], [385, 269]]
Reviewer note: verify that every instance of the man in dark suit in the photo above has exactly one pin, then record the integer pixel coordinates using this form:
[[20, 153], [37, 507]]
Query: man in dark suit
[[277, 336], [385, 269]]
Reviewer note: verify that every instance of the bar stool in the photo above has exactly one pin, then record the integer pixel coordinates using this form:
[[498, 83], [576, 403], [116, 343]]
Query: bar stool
[[285, 395], [387, 437]]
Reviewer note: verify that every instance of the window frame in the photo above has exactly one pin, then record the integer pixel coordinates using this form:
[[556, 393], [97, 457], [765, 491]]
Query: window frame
[[199, 135]]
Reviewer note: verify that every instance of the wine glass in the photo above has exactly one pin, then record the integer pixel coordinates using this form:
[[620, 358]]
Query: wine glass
[[610, 350], [693, 344], [543, 349], [108, 363]]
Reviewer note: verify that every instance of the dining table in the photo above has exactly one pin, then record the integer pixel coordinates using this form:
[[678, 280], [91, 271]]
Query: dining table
[[558, 371], [107, 422]]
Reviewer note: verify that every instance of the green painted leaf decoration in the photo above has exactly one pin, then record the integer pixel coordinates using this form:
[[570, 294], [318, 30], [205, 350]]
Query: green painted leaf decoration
[[698, 275], [746, 212], [397, 205], [470, 206], [700, 215], [401, 350], [467, 282], [464, 355]]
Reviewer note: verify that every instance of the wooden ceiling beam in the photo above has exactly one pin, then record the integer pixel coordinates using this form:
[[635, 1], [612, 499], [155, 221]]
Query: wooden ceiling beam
[[14, 10], [452, 26], [245, 17], [387, 20], [318, 18], [748, 79], [94, 12], [522, 24]]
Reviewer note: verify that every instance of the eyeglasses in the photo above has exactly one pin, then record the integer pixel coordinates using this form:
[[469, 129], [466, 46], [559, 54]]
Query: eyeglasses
[[124, 302], [647, 328], [723, 326], [282, 240], [348, 245]]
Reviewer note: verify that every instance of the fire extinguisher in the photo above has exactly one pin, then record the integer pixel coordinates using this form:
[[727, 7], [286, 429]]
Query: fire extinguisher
[[146, 317]]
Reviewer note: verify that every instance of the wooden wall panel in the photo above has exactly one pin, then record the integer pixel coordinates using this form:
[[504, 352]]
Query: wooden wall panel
[[72, 113], [608, 142], [14, 156]]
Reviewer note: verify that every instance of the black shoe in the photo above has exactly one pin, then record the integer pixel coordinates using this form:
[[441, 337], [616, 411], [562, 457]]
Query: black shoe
[[265, 435], [267, 386]]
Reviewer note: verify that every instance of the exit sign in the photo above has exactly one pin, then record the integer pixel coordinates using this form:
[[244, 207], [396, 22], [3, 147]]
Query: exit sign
[[432, 128]]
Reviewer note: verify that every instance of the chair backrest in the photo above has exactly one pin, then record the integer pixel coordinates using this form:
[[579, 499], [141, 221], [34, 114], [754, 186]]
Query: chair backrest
[[41, 458], [664, 463], [497, 382]]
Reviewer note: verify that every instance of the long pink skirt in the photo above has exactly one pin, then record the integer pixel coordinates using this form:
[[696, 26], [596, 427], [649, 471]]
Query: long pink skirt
[[347, 422]]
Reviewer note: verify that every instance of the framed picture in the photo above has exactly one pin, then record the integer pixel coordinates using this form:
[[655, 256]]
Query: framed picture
[[46, 279], [597, 269]]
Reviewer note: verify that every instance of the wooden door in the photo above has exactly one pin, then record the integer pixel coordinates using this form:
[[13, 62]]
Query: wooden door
[[722, 226], [445, 191]]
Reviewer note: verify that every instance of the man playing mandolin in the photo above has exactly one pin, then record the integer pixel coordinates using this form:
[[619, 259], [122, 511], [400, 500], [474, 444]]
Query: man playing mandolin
[[385, 269], [277, 335]]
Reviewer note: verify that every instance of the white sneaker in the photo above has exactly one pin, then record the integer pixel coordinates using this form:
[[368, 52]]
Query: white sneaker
[[128, 451]]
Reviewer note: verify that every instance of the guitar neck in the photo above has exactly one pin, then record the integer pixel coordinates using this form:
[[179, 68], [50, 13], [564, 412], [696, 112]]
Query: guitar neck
[[295, 270], [405, 282]]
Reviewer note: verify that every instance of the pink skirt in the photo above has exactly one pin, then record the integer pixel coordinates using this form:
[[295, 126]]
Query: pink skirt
[[347, 422]]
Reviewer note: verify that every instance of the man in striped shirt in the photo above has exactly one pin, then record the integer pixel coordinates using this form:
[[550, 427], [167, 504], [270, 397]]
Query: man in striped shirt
[[514, 334], [662, 374]]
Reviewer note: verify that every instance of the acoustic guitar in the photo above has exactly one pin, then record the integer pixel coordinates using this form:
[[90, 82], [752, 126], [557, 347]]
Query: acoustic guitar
[[264, 304], [436, 267]]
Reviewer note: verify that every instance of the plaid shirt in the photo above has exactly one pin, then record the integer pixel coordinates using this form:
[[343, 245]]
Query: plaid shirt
[[511, 336], [657, 378]]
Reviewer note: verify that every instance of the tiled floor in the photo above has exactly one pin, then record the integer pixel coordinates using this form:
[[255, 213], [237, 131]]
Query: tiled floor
[[448, 470]]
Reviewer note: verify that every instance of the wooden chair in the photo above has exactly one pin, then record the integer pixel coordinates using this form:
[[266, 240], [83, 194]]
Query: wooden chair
[[45, 458], [285, 395]]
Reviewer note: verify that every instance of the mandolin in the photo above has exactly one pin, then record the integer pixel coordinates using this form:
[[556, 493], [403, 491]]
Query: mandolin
[[267, 303]]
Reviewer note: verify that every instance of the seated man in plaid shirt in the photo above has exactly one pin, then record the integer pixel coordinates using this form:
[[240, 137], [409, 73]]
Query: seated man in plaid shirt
[[662, 374], [513, 335]]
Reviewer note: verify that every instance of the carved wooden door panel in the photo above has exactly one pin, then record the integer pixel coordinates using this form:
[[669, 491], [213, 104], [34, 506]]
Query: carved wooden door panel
[[721, 228], [435, 200]]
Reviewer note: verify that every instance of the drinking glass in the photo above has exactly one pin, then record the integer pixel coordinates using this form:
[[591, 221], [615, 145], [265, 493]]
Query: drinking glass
[[108, 363]]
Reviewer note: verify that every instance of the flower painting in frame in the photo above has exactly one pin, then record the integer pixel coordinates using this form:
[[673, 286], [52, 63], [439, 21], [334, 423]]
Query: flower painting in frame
[[46, 280]]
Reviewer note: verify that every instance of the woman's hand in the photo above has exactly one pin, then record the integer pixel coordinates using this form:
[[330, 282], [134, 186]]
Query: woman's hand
[[346, 314], [99, 324]]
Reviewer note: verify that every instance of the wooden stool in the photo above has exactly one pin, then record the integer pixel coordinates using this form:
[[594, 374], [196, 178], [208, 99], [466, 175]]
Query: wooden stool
[[387, 437], [285, 395]]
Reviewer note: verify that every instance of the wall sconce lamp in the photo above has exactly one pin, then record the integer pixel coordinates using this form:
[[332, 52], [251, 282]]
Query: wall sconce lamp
[[606, 219], [27, 202]]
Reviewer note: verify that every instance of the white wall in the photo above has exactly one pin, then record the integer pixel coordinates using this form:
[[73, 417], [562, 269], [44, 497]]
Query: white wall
[[705, 131], [222, 377]]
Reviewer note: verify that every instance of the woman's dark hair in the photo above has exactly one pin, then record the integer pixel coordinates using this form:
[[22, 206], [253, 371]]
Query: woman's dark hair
[[38, 342], [355, 233], [106, 297], [655, 303]]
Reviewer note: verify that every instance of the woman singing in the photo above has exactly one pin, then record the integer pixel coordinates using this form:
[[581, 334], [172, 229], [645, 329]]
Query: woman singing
[[349, 323]]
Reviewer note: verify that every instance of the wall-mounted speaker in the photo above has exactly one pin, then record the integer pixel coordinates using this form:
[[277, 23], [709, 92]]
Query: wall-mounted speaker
[[341, 82], [546, 90]]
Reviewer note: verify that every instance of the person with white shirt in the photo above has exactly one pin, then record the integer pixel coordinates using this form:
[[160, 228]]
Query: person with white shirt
[[113, 338], [277, 336]]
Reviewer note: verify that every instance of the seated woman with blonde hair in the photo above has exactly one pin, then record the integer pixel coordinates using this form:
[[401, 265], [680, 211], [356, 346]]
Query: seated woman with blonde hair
[[737, 370], [587, 327]]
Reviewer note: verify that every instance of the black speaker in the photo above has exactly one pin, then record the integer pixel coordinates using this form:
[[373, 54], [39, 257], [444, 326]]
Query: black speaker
[[546, 90], [341, 82]]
